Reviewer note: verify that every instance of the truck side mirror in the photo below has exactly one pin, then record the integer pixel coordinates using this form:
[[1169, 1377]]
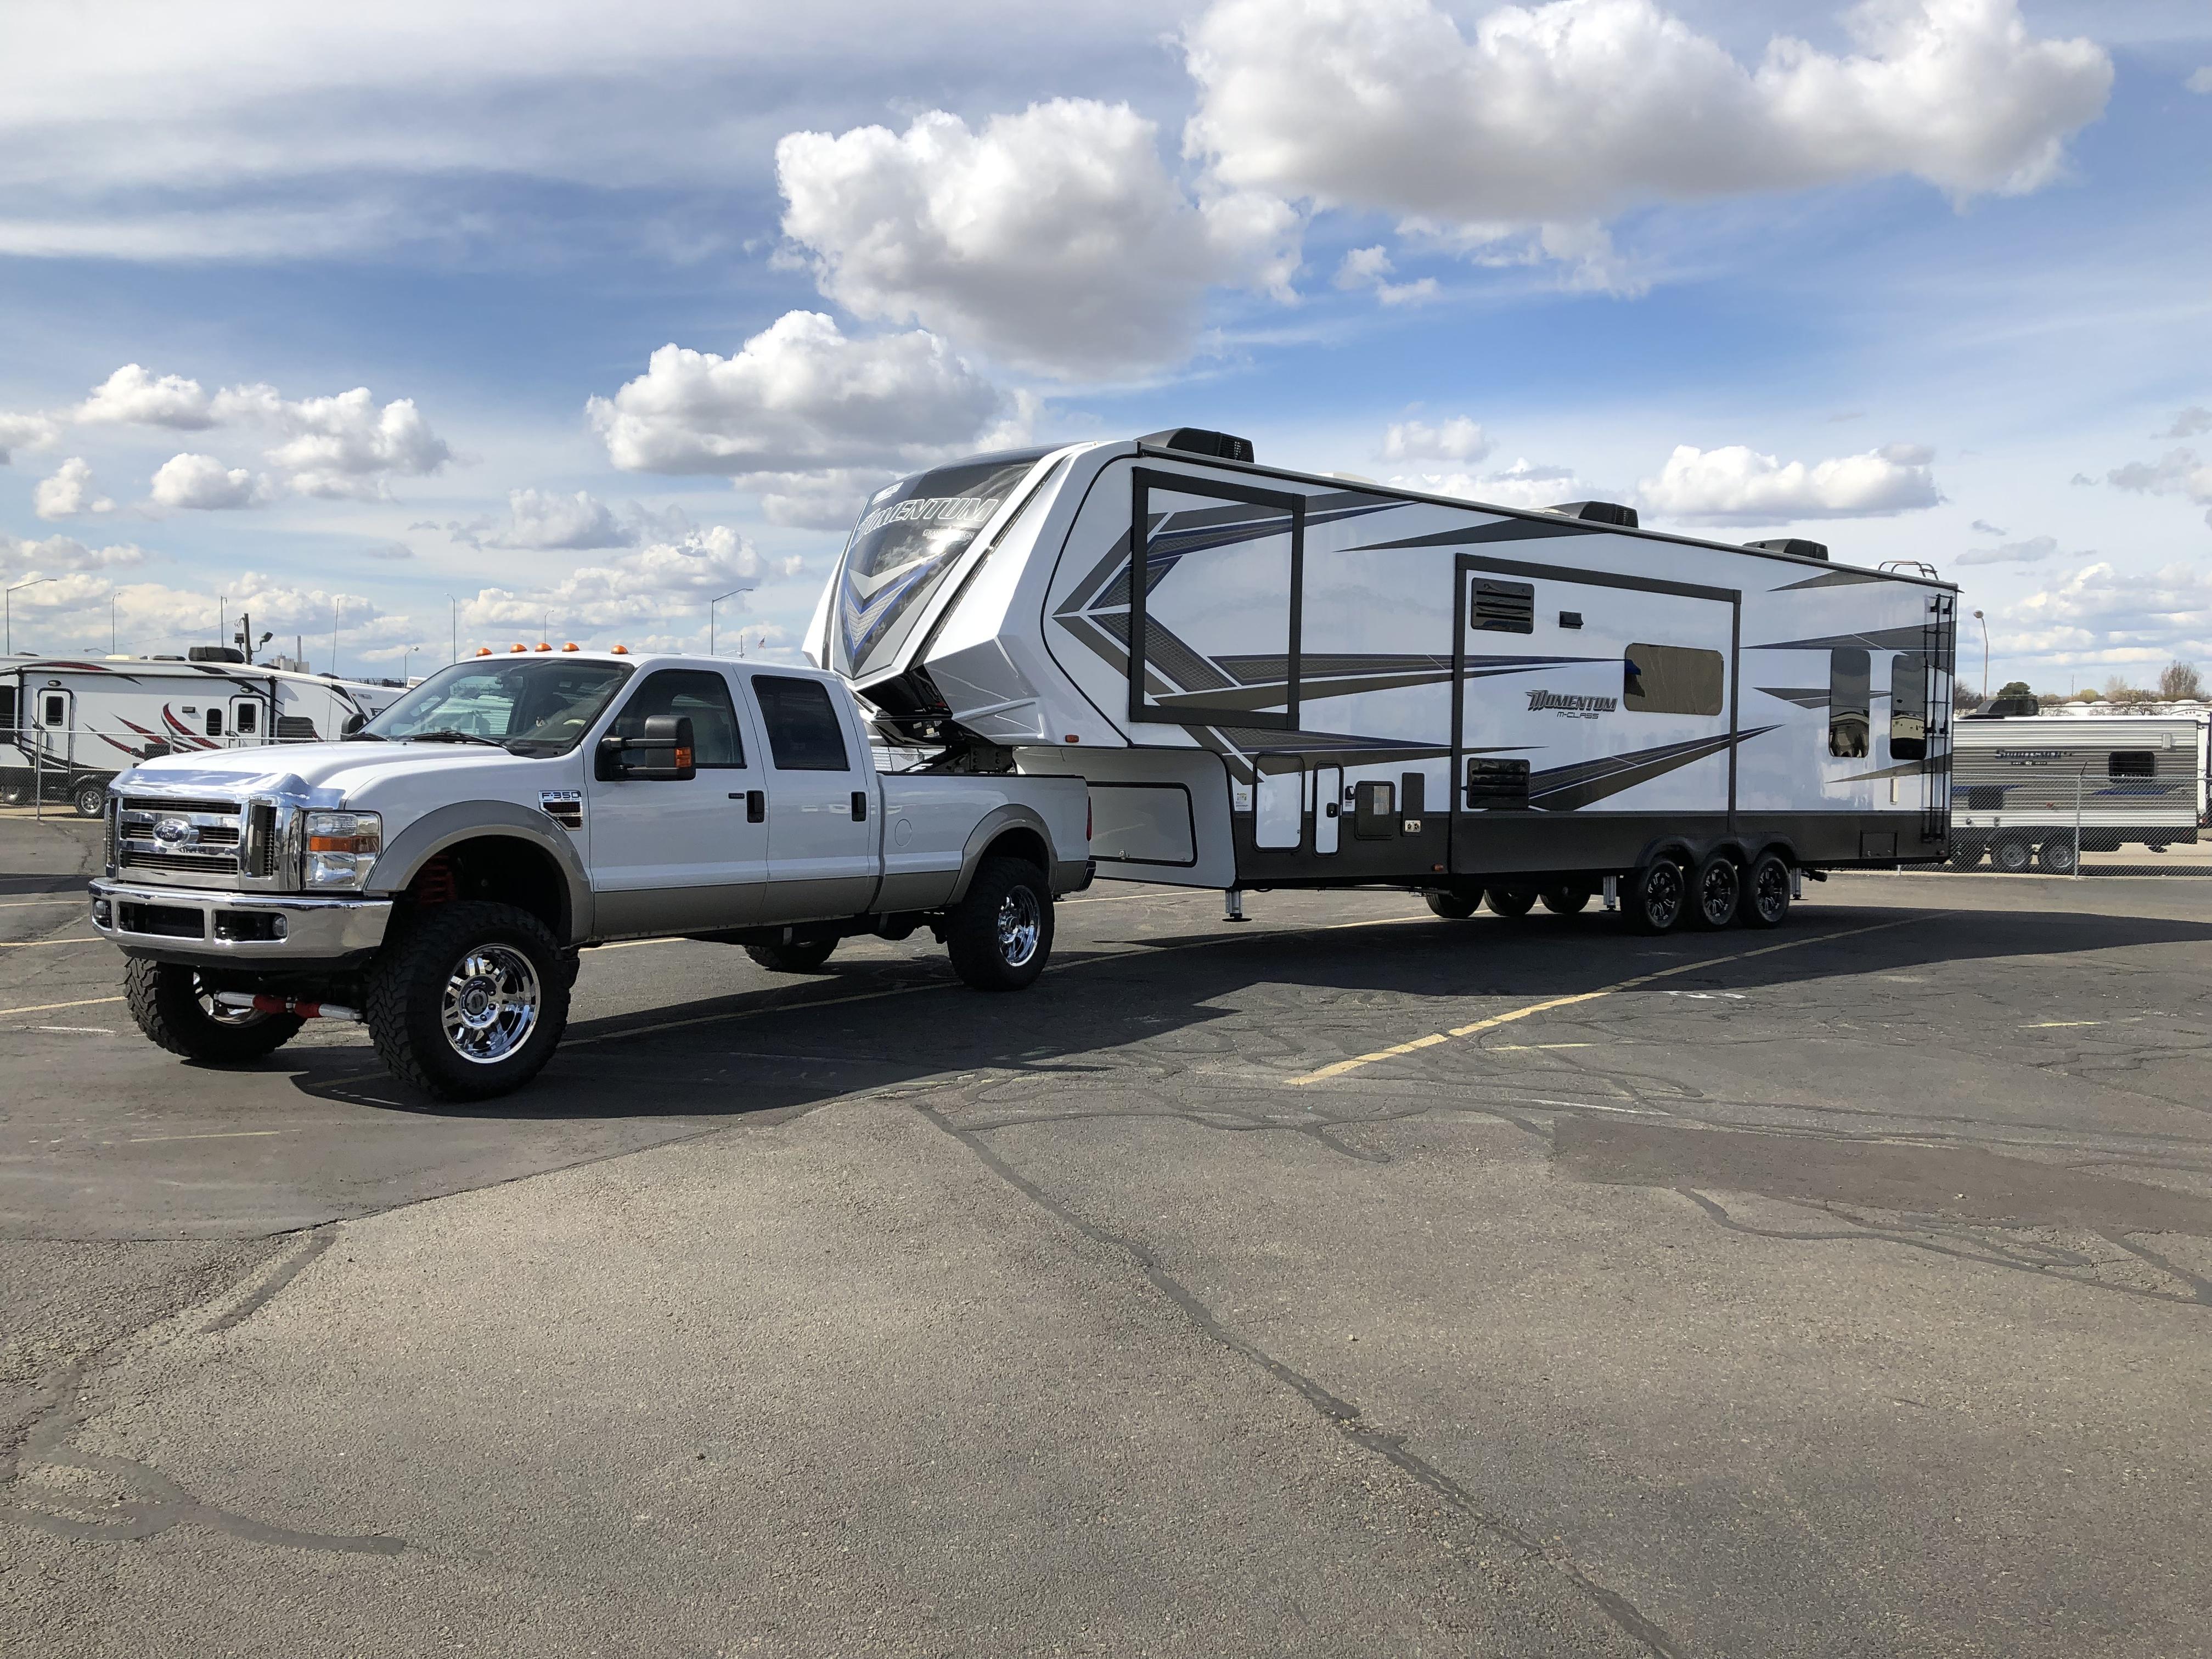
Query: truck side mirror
[[662, 754]]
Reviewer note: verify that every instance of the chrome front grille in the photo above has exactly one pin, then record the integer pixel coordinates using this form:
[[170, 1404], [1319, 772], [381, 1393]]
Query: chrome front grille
[[185, 839]]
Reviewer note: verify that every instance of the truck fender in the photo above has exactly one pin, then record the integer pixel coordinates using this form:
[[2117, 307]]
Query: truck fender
[[434, 832], [995, 822]]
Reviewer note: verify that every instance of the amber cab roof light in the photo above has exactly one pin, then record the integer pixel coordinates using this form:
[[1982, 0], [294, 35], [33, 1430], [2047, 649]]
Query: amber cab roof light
[[620, 651], [483, 651], [571, 646]]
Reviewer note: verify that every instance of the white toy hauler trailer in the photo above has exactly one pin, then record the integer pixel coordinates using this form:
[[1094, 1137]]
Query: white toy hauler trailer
[[67, 724], [1326, 684], [2041, 789]]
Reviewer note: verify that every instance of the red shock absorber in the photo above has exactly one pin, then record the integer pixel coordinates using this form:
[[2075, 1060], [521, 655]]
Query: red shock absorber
[[436, 885]]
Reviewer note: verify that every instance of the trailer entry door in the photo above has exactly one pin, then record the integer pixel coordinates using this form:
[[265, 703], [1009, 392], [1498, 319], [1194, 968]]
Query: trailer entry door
[[58, 724], [1589, 708], [1212, 627]]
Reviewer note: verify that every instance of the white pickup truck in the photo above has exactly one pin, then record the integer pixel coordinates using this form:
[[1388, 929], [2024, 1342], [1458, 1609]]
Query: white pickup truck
[[435, 874]]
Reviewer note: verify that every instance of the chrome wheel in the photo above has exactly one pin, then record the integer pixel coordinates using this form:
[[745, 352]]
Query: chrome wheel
[[1020, 926], [490, 1004]]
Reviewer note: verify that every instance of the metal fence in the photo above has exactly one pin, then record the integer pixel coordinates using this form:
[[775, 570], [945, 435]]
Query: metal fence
[[39, 768]]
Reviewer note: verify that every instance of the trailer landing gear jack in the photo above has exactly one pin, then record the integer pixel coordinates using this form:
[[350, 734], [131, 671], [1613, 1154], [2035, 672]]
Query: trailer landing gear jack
[[1232, 904]]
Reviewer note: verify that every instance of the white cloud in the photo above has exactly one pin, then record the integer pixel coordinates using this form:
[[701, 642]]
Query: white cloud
[[1054, 240], [342, 447], [544, 521], [801, 397], [202, 482], [69, 492], [1370, 267], [640, 587], [26, 432], [1581, 108], [2202, 81], [1989, 529], [2191, 422], [2033, 550], [1737, 485], [1458, 439], [2178, 472], [62, 555], [392, 551], [131, 396], [1524, 484], [2103, 610]]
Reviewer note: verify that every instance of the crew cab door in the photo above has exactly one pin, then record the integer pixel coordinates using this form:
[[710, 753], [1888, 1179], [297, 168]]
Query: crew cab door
[[678, 856], [821, 809]]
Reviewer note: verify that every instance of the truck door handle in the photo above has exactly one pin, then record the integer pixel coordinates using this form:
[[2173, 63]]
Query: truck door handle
[[859, 806], [755, 802]]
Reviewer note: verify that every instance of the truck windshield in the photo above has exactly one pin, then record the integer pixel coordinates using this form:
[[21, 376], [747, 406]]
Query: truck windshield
[[531, 708], [911, 533]]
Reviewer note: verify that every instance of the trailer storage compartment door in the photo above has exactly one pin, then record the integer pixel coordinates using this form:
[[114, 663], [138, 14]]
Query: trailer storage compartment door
[[1594, 711]]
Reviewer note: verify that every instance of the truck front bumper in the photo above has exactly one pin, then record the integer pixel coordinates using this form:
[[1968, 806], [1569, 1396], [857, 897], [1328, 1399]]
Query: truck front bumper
[[184, 923]]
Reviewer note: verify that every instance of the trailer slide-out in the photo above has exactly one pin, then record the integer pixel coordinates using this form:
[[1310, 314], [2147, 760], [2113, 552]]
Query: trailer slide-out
[[1318, 682]]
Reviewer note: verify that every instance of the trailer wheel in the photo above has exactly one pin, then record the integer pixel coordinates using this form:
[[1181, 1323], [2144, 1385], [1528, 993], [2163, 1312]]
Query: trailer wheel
[[1966, 854], [469, 1001], [1765, 898], [1655, 897], [2058, 857], [1565, 901], [1715, 892], [90, 797], [2011, 855], [999, 935], [174, 1009], [802, 955], [1511, 903], [1457, 906]]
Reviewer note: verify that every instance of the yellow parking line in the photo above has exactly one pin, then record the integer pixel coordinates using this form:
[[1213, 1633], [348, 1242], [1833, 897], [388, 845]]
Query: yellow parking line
[[48, 1007], [1339, 1068]]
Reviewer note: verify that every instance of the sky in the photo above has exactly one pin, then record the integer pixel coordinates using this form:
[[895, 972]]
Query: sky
[[427, 326]]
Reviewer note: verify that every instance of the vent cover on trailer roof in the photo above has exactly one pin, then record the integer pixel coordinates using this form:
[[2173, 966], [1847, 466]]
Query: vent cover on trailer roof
[[1612, 513], [1197, 440], [1795, 546]]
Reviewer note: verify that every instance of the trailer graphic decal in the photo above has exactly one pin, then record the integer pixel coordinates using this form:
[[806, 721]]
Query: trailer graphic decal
[[1563, 788], [1805, 696]]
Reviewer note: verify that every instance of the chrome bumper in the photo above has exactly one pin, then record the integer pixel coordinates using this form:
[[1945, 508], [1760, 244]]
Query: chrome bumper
[[237, 926]]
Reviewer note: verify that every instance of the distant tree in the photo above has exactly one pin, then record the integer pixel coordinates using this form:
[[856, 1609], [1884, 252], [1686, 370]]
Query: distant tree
[[2015, 689], [2179, 680], [2087, 694], [2117, 688], [1964, 696], [2049, 699]]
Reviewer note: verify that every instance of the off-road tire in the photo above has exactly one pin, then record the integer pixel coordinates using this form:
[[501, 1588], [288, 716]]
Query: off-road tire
[[1716, 892], [1765, 899], [164, 998], [407, 983], [805, 956], [1656, 897], [1565, 901], [1455, 907], [90, 797], [973, 934], [1511, 903], [2011, 855]]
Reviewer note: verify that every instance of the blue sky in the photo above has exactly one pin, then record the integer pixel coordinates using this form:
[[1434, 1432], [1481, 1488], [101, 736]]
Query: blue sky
[[1926, 279]]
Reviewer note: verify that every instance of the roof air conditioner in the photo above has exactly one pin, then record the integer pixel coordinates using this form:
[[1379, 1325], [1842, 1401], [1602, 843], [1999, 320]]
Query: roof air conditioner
[[1219, 444], [1794, 546], [1611, 512]]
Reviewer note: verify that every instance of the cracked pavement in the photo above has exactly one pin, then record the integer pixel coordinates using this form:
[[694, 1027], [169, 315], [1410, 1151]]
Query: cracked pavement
[[1849, 1297]]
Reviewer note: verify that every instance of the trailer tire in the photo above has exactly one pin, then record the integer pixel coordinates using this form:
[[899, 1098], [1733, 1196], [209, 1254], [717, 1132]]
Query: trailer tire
[[1456, 906], [2011, 855], [801, 956], [1765, 898], [1654, 897], [468, 1001], [1001, 932], [2058, 858], [1565, 901], [1511, 903], [164, 999], [90, 797], [1716, 892]]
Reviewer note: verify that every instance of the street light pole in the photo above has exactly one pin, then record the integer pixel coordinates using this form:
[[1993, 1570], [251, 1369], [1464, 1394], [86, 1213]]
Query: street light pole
[[9, 611], [1984, 622], [111, 599], [711, 604]]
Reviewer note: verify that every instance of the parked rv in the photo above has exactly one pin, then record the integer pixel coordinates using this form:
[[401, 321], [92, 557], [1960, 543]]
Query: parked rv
[[2040, 790], [1271, 678], [67, 724], [435, 875]]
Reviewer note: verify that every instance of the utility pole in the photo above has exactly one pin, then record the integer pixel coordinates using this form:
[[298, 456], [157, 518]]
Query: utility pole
[[456, 607], [334, 638], [111, 599], [1984, 622], [711, 604]]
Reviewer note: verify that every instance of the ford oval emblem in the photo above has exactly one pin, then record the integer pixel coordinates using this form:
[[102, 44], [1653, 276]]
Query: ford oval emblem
[[175, 833]]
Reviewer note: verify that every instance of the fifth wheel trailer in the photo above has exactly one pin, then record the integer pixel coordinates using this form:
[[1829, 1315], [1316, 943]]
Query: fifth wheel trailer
[[1276, 680]]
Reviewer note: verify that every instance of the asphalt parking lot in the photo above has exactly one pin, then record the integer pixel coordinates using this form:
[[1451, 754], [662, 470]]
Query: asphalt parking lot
[[1351, 1281]]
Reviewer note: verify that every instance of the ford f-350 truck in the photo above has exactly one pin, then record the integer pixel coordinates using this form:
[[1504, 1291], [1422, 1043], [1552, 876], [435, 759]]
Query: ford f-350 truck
[[434, 875]]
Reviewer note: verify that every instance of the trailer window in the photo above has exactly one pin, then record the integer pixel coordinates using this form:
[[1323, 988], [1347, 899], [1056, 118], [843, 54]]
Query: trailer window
[[57, 711], [2131, 763], [215, 722], [1850, 704], [1908, 706], [1672, 679], [243, 719], [803, 733], [700, 696]]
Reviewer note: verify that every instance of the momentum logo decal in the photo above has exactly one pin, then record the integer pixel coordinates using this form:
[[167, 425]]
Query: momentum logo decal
[[1571, 705]]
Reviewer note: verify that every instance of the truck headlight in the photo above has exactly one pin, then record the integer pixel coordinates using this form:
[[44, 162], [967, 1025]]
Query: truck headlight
[[341, 848]]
